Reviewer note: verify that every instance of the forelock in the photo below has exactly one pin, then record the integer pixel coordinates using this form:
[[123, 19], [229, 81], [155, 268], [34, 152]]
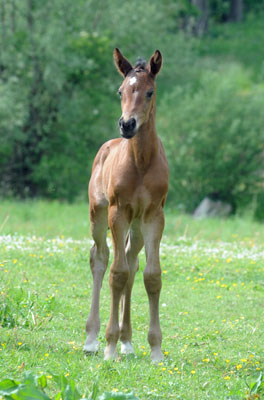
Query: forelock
[[141, 65]]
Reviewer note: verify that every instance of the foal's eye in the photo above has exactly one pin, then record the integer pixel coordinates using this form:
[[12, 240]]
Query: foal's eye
[[120, 93], [149, 93]]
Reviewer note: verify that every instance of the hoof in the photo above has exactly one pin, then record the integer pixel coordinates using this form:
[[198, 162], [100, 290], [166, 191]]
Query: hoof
[[110, 353], [127, 348], [156, 355], [91, 347]]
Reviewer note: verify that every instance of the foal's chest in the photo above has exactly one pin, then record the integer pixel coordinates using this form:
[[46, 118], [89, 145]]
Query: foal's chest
[[135, 188], [137, 193]]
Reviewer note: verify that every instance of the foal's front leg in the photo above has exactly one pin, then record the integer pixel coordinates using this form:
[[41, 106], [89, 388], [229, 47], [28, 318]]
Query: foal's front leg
[[99, 254], [118, 276], [152, 232]]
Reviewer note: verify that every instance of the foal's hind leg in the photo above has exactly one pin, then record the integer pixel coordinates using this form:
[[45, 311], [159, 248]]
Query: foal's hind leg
[[99, 255], [134, 245]]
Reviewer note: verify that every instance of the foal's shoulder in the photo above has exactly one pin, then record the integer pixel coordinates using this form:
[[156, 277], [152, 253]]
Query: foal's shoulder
[[110, 144], [105, 150]]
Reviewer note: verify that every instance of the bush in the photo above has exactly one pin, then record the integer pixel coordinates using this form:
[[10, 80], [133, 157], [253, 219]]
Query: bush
[[214, 138], [50, 133]]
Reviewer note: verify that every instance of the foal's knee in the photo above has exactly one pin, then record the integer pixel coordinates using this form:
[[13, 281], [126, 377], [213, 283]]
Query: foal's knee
[[99, 259], [152, 281], [118, 278]]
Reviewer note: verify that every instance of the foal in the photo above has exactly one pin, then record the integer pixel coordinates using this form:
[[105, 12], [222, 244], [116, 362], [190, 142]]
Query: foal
[[127, 192]]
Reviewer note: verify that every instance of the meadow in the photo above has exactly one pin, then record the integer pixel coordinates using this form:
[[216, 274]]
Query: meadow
[[211, 306]]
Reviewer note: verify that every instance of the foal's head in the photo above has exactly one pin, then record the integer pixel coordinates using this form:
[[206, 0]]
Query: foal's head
[[137, 91]]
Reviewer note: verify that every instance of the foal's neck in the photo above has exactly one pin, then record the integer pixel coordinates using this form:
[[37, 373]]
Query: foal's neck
[[144, 145]]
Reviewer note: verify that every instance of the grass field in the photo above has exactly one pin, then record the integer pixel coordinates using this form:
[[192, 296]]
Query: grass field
[[211, 311]]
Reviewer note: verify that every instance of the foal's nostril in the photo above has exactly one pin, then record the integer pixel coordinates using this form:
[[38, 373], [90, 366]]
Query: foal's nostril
[[132, 124], [120, 122], [129, 125]]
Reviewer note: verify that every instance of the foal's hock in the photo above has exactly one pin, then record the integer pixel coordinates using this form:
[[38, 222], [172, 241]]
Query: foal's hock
[[127, 192]]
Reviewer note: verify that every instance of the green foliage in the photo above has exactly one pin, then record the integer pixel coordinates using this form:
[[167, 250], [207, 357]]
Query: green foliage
[[24, 309], [54, 89], [220, 10], [233, 43], [83, 122], [33, 387], [259, 209], [255, 387], [214, 138]]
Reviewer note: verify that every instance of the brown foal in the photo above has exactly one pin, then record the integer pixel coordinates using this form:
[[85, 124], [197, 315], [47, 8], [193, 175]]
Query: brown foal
[[127, 192]]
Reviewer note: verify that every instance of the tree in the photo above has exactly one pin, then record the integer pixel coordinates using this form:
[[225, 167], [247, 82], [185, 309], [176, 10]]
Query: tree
[[200, 23], [54, 81], [236, 10]]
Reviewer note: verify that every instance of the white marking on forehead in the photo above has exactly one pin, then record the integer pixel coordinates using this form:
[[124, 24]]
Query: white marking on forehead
[[132, 80]]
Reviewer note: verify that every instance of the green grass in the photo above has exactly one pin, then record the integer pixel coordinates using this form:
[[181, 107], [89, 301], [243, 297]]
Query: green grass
[[211, 305]]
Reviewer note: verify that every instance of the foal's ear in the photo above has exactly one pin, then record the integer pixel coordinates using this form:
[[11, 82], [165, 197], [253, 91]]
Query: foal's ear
[[155, 63], [122, 64]]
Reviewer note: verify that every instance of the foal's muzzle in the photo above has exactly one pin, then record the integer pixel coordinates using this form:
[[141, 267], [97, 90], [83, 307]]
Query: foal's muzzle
[[127, 128]]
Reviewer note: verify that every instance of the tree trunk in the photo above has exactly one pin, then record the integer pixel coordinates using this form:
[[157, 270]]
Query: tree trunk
[[13, 16], [27, 154], [236, 10], [3, 19], [200, 24]]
